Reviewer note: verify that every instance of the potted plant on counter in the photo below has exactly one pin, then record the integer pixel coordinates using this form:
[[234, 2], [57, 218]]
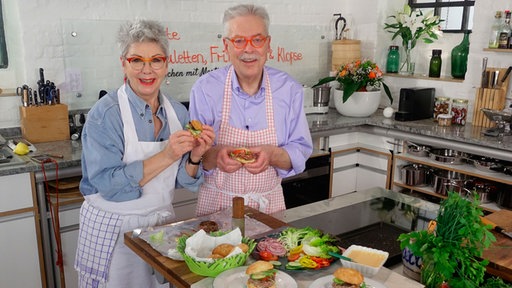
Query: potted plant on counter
[[358, 94], [451, 249]]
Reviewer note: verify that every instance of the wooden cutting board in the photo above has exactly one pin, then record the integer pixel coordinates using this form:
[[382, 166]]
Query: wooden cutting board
[[500, 253]]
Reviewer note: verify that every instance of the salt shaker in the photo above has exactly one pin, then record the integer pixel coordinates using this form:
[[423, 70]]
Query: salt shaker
[[238, 218]]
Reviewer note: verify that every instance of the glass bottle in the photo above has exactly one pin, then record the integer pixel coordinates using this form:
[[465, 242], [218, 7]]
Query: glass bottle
[[393, 60], [434, 69], [495, 30], [504, 32], [460, 58]]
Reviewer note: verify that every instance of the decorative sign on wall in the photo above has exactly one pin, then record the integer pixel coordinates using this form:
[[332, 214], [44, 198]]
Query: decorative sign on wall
[[92, 58]]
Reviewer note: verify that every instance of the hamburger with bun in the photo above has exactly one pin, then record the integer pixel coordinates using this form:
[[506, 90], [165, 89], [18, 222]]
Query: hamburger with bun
[[195, 127], [243, 155], [347, 278], [261, 275]]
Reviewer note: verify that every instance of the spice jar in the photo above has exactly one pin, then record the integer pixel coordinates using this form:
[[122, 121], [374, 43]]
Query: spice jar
[[444, 120], [442, 106], [459, 111]]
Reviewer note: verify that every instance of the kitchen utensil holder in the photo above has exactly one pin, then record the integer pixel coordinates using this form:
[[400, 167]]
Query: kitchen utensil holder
[[490, 98], [45, 123]]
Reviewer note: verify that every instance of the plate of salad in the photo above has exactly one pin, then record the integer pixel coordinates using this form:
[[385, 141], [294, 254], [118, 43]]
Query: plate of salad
[[297, 249]]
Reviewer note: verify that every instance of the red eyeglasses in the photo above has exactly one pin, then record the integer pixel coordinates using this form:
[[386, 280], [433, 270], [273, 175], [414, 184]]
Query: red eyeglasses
[[137, 63], [240, 42]]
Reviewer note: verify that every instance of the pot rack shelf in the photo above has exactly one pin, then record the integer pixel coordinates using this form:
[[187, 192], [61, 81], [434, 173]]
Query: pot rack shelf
[[466, 169], [424, 77]]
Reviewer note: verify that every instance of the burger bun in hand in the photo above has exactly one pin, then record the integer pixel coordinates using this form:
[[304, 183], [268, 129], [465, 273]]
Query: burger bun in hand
[[195, 127], [243, 155]]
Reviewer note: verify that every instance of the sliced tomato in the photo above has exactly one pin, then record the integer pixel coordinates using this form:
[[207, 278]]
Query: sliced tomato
[[267, 256], [293, 257], [322, 262]]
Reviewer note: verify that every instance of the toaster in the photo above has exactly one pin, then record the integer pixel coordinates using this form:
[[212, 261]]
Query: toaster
[[415, 104]]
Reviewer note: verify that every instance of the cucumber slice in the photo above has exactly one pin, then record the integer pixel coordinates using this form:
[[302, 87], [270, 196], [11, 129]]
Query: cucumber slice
[[294, 266], [275, 263], [257, 276]]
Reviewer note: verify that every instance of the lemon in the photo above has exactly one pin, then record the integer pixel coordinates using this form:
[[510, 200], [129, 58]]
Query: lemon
[[21, 149]]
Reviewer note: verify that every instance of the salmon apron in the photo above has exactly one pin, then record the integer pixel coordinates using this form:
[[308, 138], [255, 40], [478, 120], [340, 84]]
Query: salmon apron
[[262, 191], [154, 207]]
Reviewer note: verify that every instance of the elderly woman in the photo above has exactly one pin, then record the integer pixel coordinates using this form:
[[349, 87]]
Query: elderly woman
[[135, 151]]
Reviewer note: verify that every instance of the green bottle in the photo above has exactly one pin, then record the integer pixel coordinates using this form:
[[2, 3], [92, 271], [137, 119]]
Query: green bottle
[[434, 69], [460, 58]]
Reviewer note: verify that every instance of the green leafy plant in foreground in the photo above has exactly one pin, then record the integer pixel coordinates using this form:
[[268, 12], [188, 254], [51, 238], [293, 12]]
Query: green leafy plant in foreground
[[452, 251]]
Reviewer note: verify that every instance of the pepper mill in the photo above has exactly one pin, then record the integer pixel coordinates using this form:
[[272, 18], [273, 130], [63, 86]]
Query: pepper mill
[[238, 218]]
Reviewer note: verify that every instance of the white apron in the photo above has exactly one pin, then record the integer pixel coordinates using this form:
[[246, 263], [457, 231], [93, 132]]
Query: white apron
[[262, 191], [154, 207]]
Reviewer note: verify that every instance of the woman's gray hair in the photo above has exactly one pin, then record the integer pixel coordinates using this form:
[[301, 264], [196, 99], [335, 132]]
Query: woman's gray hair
[[142, 31], [244, 10]]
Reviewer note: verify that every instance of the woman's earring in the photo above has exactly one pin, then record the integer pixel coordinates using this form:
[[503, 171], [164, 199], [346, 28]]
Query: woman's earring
[[167, 81]]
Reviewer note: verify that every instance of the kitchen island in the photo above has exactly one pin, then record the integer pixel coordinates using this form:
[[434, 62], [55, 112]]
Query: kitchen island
[[178, 273]]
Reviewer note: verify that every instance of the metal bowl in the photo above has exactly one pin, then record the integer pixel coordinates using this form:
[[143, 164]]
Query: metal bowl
[[496, 115], [447, 156]]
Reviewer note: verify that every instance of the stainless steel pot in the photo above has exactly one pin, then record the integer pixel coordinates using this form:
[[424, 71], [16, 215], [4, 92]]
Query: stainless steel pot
[[418, 150], [416, 175], [447, 156], [504, 198], [484, 190], [444, 181]]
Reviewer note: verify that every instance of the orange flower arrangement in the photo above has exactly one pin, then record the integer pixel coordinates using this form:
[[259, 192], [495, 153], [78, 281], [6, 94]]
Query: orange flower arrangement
[[358, 76]]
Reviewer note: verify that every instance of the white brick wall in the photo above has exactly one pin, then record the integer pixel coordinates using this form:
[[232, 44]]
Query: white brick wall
[[34, 32]]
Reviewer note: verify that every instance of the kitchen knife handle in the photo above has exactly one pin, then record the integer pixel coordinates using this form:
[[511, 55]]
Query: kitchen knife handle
[[494, 226], [506, 74]]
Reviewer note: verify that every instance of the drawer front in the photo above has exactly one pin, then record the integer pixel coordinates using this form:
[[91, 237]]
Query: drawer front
[[15, 192], [344, 181]]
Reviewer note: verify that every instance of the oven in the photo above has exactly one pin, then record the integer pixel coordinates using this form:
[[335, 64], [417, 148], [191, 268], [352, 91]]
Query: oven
[[310, 186]]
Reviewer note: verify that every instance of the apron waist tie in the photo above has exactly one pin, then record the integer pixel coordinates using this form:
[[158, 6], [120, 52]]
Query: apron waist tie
[[256, 197]]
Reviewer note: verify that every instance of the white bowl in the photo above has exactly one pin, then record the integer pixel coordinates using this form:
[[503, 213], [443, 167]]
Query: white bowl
[[366, 270]]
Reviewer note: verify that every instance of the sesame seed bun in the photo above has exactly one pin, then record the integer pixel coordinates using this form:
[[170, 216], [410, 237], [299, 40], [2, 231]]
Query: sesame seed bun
[[259, 266], [349, 275]]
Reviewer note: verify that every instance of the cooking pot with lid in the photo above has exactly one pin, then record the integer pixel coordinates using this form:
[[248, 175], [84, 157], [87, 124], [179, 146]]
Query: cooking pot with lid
[[504, 198], [416, 175], [444, 181], [418, 150]]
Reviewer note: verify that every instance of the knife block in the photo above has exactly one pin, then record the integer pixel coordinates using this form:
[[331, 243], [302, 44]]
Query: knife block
[[490, 98], [45, 123]]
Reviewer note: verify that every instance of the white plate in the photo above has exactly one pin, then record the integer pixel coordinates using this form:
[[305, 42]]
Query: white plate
[[236, 278], [326, 281]]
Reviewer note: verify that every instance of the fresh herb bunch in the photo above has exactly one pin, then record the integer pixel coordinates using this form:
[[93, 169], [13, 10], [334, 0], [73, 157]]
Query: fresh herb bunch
[[452, 251], [358, 76]]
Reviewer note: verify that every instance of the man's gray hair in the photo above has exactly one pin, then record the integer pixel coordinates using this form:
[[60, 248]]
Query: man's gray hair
[[142, 31], [244, 10]]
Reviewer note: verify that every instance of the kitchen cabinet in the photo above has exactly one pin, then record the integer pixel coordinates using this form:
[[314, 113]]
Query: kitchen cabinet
[[465, 168], [21, 260], [359, 161]]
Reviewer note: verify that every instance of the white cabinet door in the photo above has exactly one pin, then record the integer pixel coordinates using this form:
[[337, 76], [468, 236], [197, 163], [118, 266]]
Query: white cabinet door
[[19, 256]]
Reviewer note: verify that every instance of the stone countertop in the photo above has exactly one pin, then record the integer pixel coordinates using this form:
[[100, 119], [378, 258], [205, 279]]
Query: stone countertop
[[325, 124], [320, 125]]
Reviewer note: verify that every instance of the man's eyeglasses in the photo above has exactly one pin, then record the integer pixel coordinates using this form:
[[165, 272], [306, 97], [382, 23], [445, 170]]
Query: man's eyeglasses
[[240, 42], [137, 63]]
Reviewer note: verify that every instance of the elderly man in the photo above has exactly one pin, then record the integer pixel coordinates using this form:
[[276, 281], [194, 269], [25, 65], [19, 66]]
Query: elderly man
[[253, 106]]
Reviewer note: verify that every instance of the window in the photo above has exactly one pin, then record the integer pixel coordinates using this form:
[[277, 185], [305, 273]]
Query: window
[[3, 48], [457, 14]]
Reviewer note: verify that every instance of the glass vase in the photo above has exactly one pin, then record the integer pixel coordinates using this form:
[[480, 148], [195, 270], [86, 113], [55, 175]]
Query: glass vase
[[460, 58], [408, 65]]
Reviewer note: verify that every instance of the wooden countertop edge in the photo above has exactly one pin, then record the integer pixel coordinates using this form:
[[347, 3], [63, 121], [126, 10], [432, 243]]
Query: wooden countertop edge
[[177, 272]]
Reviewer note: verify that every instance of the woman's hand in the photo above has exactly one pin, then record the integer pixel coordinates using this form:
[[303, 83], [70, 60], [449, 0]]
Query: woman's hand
[[202, 143], [180, 143]]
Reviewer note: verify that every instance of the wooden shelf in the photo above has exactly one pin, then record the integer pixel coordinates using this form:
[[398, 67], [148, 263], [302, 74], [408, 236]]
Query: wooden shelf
[[498, 50], [425, 77]]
